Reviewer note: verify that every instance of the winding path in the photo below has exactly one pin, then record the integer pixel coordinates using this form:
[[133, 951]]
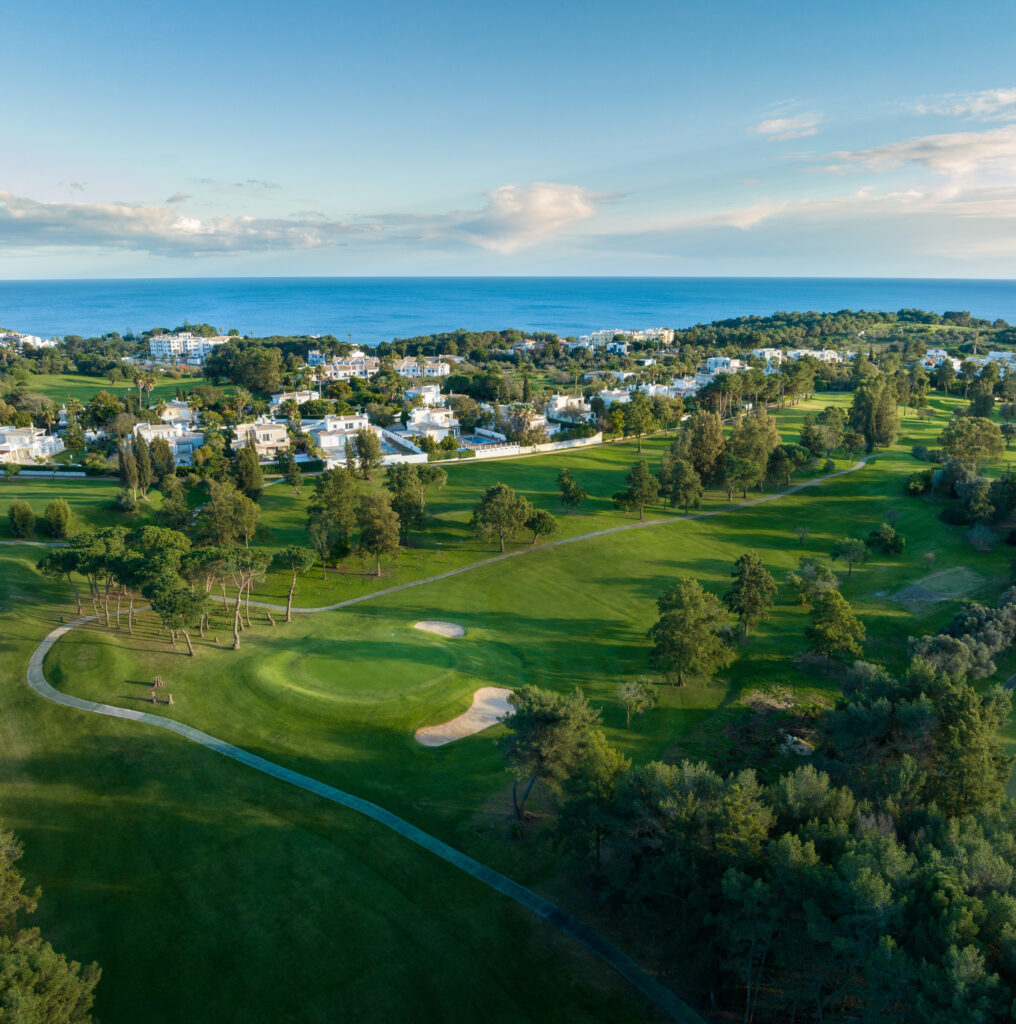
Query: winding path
[[591, 940]]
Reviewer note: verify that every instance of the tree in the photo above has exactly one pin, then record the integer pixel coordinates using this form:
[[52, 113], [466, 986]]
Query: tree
[[74, 437], [548, 734], [834, 629], [751, 596], [642, 488], [701, 442], [22, 518], [143, 458], [873, 413], [228, 516], [680, 482], [637, 697], [289, 469], [11, 470], [61, 563], [851, 551], [431, 478], [294, 559], [247, 471], [331, 515], [689, 636], [742, 474], [812, 436], [37, 984], [174, 512], [163, 462], [972, 440], [57, 518], [754, 437], [177, 604], [128, 469], [542, 523], [379, 527], [572, 493], [638, 416], [813, 577], [886, 539], [500, 514], [366, 447]]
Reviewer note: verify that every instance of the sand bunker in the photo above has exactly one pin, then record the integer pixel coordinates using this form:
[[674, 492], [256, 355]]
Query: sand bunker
[[490, 705], [441, 628]]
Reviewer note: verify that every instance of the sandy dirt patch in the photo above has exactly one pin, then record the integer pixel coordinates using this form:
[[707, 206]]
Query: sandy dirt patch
[[490, 705], [451, 629]]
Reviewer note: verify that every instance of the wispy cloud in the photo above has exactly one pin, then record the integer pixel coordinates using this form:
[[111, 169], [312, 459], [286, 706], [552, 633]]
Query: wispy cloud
[[178, 197], [987, 105], [954, 154], [783, 129]]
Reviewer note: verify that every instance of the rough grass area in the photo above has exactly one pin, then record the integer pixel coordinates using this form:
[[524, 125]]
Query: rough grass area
[[958, 581]]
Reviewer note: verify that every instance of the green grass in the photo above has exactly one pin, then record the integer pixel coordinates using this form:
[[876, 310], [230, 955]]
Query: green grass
[[209, 892], [61, 386], [339, 695]]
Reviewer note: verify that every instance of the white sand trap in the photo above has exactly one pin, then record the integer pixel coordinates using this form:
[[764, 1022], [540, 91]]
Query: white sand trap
[[490, 705], [441, 628]]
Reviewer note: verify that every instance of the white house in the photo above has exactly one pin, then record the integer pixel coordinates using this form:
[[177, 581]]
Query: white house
[[429, 394], [182, 441], [270, 438], [178, 412], [611, 396], [315, 357], [356, 364], [823, 355], [22, 341], [935, 357], [183, 347], [427, 421], [427, 366], [618, 348], [770, 355], [723, 364], [297, 396], [569, 407], [27, 444], [333, 434]]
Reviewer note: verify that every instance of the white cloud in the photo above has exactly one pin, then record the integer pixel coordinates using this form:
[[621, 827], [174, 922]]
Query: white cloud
[[987, 105], [782, 129], [28, 223], [514, 217], [955, 154]]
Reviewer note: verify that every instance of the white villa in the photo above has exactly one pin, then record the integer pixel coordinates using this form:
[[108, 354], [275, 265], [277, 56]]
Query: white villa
[[356, 364], [770, 355], [28, 444], [182, 441], [569, 407], [178, 412], [20, 341], [935, 357], [428, 421], [823, 355], [183, 347], [270, 438], [297, 396], [429, 394], [724, 364], [612, 396], [332, 434], [427, 366]]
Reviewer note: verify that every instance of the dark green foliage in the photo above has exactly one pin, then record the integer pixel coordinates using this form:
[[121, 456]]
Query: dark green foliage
[[366, 449], [500, 514], [835, 630], [572, 493], [542, 524], [247, 471], [873, 413], [751, 596], [57, 518], [379, 528], [163, 462], [641, 489], [886, 539], [690, 636], [22, 518]]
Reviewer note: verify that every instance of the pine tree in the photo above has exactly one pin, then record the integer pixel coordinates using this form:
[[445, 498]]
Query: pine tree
[[751, 596], [143, 458], [642, 489]]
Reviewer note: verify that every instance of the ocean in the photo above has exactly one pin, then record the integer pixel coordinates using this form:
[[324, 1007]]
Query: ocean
[[373, 309]]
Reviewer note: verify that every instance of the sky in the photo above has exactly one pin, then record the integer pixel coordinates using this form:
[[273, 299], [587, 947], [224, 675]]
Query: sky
[[228, 138]]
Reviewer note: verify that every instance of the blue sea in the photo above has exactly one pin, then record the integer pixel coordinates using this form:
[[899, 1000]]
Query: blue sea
[[375, 309]]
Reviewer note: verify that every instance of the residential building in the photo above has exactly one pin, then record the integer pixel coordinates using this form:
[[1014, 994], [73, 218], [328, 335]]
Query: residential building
[[618, 348], [423, 366], [315, 357], [612, 396], [569, 407], [28, 444], [429, 394], [356, 364], [182, 348], [770, 355], [297, 396], [724, 364], [333, 434], [270, 438], [824, 355], [427, 421], [178, 412], [22, 341], [182, 440]]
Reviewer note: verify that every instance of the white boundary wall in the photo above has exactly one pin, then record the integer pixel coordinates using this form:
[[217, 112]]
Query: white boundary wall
[[535, 449]]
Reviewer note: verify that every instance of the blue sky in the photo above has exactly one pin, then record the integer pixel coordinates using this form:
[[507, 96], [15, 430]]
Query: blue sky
[[224, 138]]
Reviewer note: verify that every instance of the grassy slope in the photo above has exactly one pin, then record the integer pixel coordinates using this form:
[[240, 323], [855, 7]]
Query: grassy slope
[[209, 892], [61, 386]]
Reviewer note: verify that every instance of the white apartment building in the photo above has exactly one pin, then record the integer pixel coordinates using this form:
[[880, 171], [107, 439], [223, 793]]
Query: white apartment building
[[21, 341], [824, 355], [28, 444], [182, 441], [269, 437], [183, 347]]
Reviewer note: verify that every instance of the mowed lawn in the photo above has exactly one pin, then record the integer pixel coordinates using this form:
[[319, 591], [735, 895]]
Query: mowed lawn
[[209, 892], [61, 386]]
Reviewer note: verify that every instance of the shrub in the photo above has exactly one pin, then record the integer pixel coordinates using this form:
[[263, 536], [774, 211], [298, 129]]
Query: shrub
[[886, 539], [57, 517], [828, 466], [126, 502], [954, 515], [22, 518], [918, 483], [919, 452], [981, 538]]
